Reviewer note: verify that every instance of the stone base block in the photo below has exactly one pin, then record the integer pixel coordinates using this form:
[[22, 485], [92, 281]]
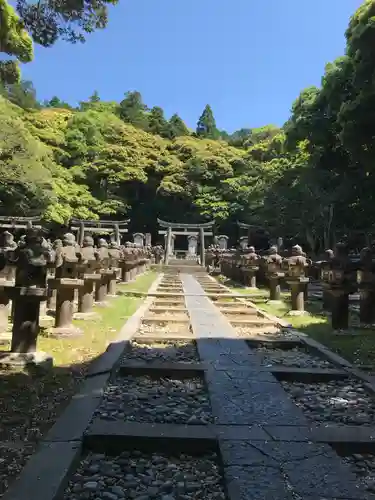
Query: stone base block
[[102, 304], [46, 321], [87, 316], [65, 331], [38, 359], [297, 313]]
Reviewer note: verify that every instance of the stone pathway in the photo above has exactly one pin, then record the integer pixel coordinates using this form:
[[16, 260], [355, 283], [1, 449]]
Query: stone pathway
[[200, 413], [264, 437]]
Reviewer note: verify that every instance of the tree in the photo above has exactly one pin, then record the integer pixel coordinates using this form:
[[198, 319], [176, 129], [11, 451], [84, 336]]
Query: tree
[[56, 102], [157, 124], [49, 20], [23, 94], [132, 110], [206, 126], [177, 127], [14, 41], [95, 97]]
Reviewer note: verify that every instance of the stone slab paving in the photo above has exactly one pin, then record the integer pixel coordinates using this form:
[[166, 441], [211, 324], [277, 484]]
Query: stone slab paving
[[264, 437]]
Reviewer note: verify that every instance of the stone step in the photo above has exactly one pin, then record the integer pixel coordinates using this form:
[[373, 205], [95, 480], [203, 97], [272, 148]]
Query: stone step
[[251, 322], [228, 311], [168, 308]]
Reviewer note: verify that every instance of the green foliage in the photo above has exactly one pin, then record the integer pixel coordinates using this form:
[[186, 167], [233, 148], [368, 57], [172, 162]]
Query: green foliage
[[157, 124], [206, 126], [14, 41], [177, 127], [23, 94], [47, 21], [132, 110], [313, 180]]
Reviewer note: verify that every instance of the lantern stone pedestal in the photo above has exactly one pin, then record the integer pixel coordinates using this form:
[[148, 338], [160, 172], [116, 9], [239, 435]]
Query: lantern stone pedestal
[[339, 308], [126, 271], [65, 307], [250, 278], [101, 288], [274, 281], [112, 283], [86, 298], [298, 289], [25, 330]]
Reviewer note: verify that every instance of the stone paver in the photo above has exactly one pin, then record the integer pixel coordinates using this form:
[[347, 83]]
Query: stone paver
[[264, 436]]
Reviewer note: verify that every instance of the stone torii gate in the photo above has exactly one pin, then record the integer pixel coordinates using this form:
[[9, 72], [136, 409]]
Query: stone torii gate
[[188, 230], [7, 222], [112, 227]]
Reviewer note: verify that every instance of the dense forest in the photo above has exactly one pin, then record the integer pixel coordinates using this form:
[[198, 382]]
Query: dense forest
[[312, 179]]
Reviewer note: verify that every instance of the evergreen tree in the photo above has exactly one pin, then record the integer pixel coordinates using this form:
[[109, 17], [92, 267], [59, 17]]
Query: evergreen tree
[[56, 102], [95, 97], [23, 94], [206, 126], [157, 124], [177, 127], [133, 111]]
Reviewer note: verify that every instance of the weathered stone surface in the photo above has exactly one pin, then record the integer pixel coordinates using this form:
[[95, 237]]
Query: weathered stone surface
[[256, 483]]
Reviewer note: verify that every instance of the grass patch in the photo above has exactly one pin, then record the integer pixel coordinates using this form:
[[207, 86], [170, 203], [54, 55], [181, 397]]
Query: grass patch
[[30, 403], [358, 349]]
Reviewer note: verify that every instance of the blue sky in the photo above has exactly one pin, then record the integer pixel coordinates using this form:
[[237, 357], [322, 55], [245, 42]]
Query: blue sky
[[248, 59]]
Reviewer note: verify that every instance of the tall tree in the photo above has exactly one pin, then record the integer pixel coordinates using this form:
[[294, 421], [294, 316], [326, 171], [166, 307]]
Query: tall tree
[[133, 111], [14, 41], [56, 102], [157, 124], [177, 127], [95, 97], [206, 126]]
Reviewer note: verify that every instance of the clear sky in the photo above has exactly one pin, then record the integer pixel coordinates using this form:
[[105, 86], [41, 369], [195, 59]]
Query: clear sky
[[248, 59]]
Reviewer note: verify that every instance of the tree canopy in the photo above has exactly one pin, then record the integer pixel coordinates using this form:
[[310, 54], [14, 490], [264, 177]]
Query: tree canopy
[[313, 179]]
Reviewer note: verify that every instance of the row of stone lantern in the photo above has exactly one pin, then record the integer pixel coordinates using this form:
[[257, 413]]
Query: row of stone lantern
[[36, 275], [341, 275], [245, 266]]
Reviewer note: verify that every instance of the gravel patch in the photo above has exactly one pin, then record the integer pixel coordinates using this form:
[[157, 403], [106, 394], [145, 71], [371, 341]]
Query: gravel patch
[[273, 333], [168, 314], [137, 476], [13, 457], [339, 401], [363, 466], [162, 400], [177, 352], [172, 328], [295, 357]]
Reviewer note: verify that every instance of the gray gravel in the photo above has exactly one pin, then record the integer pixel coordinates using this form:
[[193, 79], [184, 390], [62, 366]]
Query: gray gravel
[[339, 401], [172, 328], [164, 400], [363, 466], [295, 357], [177, 352], [136, 476]]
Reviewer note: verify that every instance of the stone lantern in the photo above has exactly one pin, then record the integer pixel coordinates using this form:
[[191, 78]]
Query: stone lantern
[[296, 276], [67, 280], [250, 266], [32, 259], [340, 281], [274, 272]]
